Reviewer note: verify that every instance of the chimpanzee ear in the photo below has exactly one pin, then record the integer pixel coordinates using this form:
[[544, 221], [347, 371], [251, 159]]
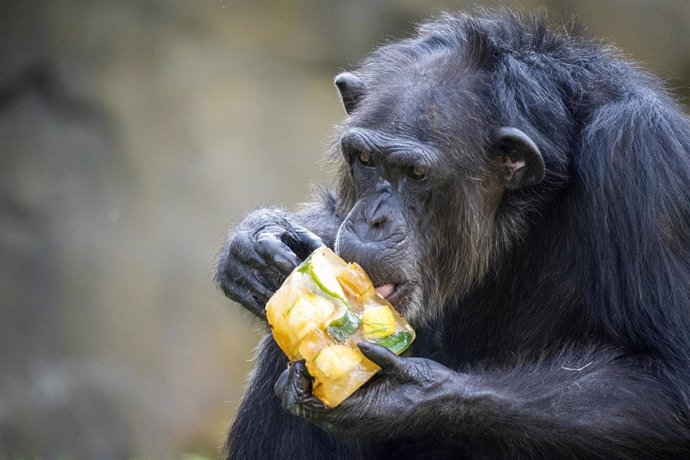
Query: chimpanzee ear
[[351, 90], [518, 159]]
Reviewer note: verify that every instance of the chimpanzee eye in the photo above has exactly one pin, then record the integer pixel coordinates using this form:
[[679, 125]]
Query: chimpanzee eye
[[416, 173], [364, 158]]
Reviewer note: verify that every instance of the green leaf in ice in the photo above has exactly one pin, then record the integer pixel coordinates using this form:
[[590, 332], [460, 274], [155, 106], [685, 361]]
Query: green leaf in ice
[[343, 327]]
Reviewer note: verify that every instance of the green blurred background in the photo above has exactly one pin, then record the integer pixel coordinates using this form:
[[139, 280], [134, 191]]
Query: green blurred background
[[132, 134]]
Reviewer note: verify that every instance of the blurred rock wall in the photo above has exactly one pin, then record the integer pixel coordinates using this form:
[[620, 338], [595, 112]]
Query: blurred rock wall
[[132, 134]]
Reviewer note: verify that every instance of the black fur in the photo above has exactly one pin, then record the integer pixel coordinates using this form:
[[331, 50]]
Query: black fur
[[575, 315]]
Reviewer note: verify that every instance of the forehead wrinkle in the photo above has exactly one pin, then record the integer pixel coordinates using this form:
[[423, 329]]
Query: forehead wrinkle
[[395, 148], [440, 112], [412, 156]]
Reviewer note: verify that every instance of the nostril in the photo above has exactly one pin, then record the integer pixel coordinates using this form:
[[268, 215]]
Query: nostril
[[377, 223], [376, 211]]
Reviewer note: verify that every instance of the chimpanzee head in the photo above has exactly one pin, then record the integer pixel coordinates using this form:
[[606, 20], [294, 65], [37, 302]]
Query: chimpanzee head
[[439, 179]]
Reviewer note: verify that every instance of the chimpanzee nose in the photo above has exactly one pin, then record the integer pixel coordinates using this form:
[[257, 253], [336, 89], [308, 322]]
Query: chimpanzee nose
[[381, 218], [375, 214]]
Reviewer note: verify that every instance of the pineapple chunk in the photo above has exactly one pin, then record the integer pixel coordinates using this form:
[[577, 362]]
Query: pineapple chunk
[[313, 343], [333, 392], [355, 282], [334, 362], [378, 322], [307, 313]]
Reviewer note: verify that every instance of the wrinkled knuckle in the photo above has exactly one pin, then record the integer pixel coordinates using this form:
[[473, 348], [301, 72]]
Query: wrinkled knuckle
[[263, 242], [263, 238], [414, 375], [260, 216], [264, 218], [238, 244], [267, 214], [229, 270], [404, 375], [237, 238], [293, 407]]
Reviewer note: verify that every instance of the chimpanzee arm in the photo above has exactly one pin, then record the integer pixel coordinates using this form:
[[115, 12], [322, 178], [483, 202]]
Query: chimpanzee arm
[[262, 429], [585, 405], [578, 404]]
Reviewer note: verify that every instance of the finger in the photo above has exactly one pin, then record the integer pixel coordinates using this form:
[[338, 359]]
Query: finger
[[241, 252], [276, 253], [272, 277], [241, 295], [247, 254], [305, 239], [256, 283], [389, 362], [296, 391], [258, 286]]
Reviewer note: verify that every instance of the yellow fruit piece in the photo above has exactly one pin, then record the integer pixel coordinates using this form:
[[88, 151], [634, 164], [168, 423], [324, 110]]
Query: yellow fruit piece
[[334, 362], [378, 322], [333, 392], [306, 313], [355, 282], [313, 343]]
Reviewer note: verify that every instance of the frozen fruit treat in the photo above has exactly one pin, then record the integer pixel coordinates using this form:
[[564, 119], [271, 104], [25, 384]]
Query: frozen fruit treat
[[319, 314]]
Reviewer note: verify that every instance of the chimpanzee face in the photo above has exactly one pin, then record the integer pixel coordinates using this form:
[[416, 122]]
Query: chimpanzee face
[[426, 176], [384, 229]]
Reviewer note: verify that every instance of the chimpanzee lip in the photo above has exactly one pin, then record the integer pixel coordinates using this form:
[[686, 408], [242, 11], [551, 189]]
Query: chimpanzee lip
[[385, 290], [398, 294]]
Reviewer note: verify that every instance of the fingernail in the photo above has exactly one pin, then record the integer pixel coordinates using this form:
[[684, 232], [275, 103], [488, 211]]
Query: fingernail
[[363, 344]]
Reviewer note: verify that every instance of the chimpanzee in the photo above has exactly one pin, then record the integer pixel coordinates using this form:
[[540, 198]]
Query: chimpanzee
[[522, 196]]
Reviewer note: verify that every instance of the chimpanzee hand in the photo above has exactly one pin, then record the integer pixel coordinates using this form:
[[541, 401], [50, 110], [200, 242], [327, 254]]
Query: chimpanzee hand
[[258, 256], [411, 392]]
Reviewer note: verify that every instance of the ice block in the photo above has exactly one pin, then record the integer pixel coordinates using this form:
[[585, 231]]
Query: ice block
[[319, 314]]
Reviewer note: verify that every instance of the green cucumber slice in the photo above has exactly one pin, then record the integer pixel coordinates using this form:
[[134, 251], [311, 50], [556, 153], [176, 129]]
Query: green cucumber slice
[[320, 272], [397, 343]]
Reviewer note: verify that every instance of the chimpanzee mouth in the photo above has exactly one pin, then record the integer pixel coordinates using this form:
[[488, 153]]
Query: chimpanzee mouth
[[385, 290], [394, 293]]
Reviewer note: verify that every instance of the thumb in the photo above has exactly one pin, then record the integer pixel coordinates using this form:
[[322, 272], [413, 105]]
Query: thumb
[[390, 363], [306, 239]]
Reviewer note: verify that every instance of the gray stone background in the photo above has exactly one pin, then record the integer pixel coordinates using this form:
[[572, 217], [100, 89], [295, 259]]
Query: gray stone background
[[132, 133]]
